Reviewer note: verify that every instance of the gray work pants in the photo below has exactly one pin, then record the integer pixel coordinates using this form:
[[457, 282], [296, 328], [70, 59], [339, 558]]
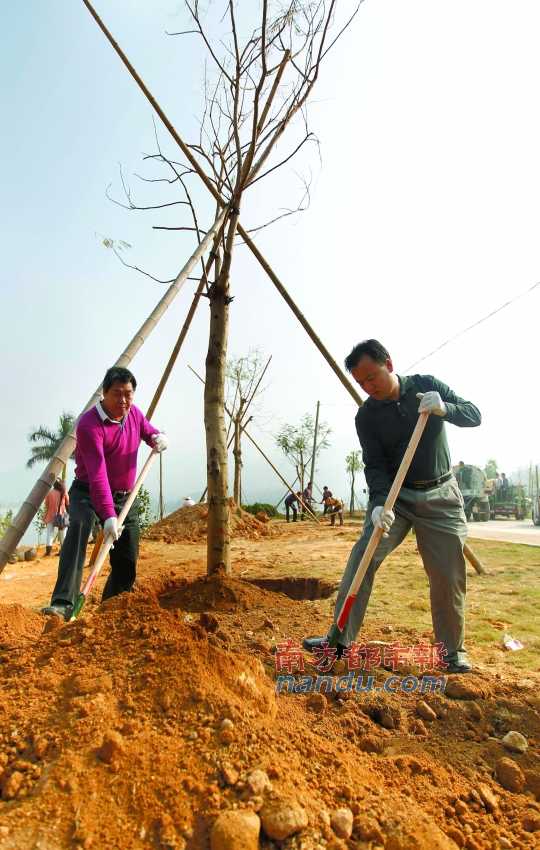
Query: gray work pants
[[441, 529]]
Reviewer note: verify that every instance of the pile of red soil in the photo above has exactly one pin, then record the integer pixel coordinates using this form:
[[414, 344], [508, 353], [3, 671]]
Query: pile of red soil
[[136, 727], [190, 524], [18, 626]]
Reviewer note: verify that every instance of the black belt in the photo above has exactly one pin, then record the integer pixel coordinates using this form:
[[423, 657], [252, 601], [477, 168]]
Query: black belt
[[428, 485], [83, 485]]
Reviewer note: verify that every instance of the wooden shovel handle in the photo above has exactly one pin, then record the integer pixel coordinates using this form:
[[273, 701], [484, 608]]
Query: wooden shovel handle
[[378, 532], [106, 545]]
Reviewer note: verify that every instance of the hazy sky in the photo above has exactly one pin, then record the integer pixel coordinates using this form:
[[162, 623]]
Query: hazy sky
[[424, 217]]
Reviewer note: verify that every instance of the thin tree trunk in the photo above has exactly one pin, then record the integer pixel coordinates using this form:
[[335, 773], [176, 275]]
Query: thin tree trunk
[[351, 505], [218, 544], [237, 452], [218, 538]]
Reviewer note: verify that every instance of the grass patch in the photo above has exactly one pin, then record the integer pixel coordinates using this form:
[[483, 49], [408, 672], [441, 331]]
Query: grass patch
[[509, 595]]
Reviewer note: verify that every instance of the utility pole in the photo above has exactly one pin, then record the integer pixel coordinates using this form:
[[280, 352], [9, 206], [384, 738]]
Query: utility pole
[[312, 476], [161, 510]]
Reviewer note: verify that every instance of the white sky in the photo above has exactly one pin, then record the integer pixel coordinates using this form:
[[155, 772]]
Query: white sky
[[424, 217]]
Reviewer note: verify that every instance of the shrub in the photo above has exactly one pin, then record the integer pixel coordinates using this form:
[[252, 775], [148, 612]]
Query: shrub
[[144, 509], [5, 522], [261, 507]]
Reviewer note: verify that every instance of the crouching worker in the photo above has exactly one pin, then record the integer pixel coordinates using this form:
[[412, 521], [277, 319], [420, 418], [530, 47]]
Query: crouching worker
[[108, 440], [334, 508]]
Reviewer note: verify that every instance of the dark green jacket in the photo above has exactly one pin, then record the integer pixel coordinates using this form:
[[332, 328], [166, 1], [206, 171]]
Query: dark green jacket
[[385, 428]]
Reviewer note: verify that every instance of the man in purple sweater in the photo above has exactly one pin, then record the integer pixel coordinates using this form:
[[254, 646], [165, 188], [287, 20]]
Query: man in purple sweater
[[108, 439]]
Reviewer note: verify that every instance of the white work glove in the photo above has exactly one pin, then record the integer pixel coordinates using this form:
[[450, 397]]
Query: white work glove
[[160, 442], [382, 519], [111, 528], [431, 402]]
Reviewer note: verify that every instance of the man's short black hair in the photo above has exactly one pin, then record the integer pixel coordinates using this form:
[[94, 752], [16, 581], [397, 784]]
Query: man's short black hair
[[116, 374], [368, 348]]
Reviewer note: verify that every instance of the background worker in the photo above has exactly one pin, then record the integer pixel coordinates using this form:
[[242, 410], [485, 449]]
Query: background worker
[[291, 503], [326, 494], [429, 501], [306, 500], [55, 518], [108, 439]]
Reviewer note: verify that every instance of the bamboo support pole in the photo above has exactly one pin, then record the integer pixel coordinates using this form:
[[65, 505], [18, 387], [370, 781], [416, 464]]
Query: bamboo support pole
[[180, 341], [474, 560], [45, 481], [281, 478]]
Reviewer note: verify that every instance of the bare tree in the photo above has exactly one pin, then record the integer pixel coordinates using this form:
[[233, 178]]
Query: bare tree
[[244, 376], [296, 443], [256, 87]]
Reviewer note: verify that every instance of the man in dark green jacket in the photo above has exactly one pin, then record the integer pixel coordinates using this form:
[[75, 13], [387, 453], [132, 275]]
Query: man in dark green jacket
[[429, 501]]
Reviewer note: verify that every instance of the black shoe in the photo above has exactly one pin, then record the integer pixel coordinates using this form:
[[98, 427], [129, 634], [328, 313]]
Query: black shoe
[[314, 643], [58, 610], [458, 662]]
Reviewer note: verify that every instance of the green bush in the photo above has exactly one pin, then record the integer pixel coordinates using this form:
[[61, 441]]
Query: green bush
[[144, 510], [258, 507], [5, 522]]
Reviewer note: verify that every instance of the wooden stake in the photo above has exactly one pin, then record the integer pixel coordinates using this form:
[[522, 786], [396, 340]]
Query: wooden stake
[[474, 560]]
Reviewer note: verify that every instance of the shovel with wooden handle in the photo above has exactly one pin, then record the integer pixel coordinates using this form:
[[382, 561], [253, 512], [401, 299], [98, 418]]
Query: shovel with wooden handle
[[336, 630], [108, 542]]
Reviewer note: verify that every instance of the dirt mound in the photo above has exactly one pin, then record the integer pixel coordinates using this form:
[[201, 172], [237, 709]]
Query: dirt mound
[[137, 726], [190, 524], [18, 626]]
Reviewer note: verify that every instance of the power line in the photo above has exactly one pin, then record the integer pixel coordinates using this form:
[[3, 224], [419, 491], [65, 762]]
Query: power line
[[474, 325]]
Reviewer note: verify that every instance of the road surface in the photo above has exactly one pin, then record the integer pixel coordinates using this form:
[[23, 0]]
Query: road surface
[[506, 530]]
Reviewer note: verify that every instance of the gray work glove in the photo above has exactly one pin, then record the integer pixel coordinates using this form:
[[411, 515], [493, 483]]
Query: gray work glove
[[431, 402], [382, 519]]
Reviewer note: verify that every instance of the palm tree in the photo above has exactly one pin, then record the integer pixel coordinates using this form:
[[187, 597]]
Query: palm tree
[[48, 441], [354, 465]]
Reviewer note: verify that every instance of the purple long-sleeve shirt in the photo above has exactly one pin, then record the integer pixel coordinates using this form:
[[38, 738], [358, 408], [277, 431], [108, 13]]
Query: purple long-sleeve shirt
[[106, 454]]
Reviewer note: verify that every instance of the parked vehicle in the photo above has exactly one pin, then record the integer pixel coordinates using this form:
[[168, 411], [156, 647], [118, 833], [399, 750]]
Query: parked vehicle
[[472, 483], [509, 501]]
